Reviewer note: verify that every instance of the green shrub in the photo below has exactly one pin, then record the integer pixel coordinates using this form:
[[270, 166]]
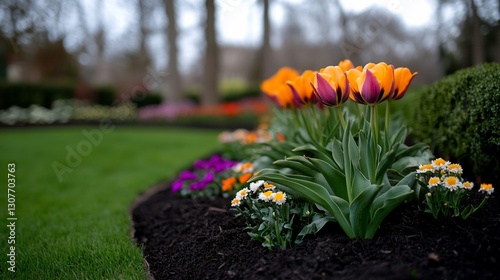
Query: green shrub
[[104, 95], [459, 116], [26, 94], [151, 98]]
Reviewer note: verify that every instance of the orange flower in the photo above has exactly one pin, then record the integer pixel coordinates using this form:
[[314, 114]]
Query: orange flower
[[302, 89], [276, 88], [244, 178], [251, 138], [372, 85], [227, 184], [346, 65], [280, 137], [402, 79]]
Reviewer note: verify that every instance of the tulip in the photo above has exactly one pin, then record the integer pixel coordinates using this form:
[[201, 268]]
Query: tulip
[[372, 85], [302, 89], [276, 89], [347, 65], [402, 79], [331, 86]]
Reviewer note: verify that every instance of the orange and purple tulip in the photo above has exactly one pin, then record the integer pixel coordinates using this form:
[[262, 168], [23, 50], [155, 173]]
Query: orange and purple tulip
[[402, 79], [372, 85], [302, 89], [331, 86]]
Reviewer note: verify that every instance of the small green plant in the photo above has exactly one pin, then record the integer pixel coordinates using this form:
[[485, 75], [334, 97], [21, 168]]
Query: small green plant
[[446, 189], [274, 217]]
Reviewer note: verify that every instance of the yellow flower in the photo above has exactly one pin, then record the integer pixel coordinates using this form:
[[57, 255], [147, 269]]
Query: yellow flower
[[487, 188], [372, 85], [402, 79], [331, 86]]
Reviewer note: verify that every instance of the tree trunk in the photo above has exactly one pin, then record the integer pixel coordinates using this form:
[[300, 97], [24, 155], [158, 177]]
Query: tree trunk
[[211, 67], [173, 88], [478, 51], [262, 61]]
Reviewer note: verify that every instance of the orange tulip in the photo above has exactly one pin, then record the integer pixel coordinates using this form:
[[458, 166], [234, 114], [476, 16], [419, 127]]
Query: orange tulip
[[302, 89], [276, 88], [372, 85], [402, 79]]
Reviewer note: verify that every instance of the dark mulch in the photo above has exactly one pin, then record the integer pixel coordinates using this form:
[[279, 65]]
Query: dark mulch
[[193, 239]]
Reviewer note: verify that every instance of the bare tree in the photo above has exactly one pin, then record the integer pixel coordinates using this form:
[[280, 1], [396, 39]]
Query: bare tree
[[211, 68], [174, 85], [261, 62], [144, 10]]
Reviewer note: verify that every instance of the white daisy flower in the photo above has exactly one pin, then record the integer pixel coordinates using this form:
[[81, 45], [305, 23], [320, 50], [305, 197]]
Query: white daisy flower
[[254, 186], [440, 164], [452, 183], [235, 202], [487, 188], [455, 168], [242, 193], [266, 196], [279, 198]]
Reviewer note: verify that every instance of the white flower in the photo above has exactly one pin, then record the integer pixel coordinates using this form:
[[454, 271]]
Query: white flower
[[266, 196], [452, 183], [254, 186], [468, 185], [279, 198], [425, 168], [235, 202], [455, 168], [242, 194], [440, 164], [487, 188]]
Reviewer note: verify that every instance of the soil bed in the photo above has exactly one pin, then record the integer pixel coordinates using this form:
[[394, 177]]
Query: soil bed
[[201, 239]]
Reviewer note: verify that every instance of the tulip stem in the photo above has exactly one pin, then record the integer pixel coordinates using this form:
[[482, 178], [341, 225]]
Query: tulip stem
[[387, 120], [341, 116], [374, 124]]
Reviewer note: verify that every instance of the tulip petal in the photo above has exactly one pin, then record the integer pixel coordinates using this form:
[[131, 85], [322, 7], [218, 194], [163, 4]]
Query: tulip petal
[[297, 101], [371, 88], [324, 91]]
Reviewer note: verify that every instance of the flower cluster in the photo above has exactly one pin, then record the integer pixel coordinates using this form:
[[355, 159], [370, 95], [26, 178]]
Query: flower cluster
[[334, 85], [203, 174], [272, 214], [447, 189], [265, 192], [241, 172]]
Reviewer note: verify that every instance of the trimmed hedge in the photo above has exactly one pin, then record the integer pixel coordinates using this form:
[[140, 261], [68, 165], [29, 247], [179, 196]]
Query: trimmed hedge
[[26, 94], [459, 116]]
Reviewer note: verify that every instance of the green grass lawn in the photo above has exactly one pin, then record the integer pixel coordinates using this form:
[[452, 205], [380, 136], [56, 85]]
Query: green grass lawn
[[79, 228]]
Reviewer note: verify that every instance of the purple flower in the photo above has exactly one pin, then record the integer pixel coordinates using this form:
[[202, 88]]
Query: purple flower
[[187, 175], [176, 185]]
